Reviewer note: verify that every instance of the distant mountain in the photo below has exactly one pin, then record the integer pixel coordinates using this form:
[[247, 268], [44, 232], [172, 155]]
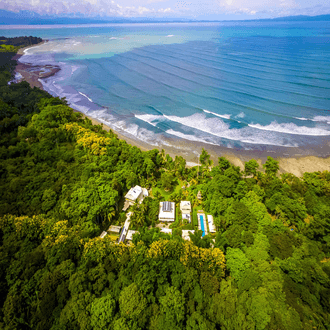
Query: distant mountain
[[31, 18], [303, 18]]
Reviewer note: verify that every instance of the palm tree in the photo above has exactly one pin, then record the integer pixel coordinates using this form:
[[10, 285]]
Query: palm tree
[[111, 214]]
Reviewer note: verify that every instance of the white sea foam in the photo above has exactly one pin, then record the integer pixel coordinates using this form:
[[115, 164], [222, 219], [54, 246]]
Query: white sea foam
[[189, 137], [240, 115], [89, 99], [301, 118], [170, 36], [291, 128], [218, 115], [16, 79], [322, 119], [150, 118]]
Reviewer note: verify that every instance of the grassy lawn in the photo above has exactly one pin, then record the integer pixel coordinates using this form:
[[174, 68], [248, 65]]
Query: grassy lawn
[[113, 237], [194, 216], [166, 194], [177, 221]]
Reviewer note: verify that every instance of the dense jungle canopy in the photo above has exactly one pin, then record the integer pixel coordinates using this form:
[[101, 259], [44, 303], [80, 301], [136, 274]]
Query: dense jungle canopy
[[62, 182]]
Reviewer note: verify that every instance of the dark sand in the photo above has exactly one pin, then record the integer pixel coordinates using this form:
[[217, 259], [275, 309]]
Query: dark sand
[[292, 160], [32, 73]]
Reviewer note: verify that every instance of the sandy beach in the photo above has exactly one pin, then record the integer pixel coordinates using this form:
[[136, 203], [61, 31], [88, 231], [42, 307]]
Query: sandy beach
[[33, 73], [294, 160]]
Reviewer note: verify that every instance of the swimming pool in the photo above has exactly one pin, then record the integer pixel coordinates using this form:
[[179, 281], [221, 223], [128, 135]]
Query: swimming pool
[[201, 219]]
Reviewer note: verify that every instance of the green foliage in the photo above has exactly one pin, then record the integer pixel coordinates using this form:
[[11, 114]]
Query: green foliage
[[271, 167], [131, 302], [63, 181]]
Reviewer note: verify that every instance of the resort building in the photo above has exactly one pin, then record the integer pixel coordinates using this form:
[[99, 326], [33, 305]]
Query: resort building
[[130, 234], [166, 211], [210, 221], [114, 229], [136, 193], [185, 234], [103, 234], [185, 207], [125, 228], [199, 195], [166, 230]]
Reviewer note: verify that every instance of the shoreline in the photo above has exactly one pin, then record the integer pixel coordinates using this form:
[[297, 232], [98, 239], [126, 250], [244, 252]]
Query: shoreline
[[32, 73], [295, 160]]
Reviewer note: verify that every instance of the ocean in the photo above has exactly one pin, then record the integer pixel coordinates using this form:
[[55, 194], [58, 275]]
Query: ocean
[[239, 85]]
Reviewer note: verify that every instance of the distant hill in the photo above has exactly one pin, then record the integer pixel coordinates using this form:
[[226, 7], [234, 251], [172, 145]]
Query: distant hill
[[31, 18]]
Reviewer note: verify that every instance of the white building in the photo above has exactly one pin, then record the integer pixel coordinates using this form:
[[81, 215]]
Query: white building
[[114, 229], [211, 223], [166, 211], [130, 234], [166, 230], [185, 234], [186, 216], [125, 228], [134, 194], [103, 234], [185, 207]]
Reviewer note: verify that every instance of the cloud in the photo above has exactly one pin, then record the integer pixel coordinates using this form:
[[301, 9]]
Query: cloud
[[257, 6], [84, 7], [177, 8]]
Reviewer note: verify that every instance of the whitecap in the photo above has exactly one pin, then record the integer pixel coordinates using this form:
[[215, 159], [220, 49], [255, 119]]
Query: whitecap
[[225, 116], [291, 128], [89, 99], [322, 119]]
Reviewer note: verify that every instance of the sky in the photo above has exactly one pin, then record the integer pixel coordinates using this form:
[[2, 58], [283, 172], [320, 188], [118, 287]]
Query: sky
[[193, 9]]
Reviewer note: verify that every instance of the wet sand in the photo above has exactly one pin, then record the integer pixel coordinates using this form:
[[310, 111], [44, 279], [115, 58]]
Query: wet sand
[[33, 73], [293, 160], [296, 165]]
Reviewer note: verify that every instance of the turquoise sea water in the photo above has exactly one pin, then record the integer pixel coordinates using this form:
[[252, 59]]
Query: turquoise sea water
[[241, 85]]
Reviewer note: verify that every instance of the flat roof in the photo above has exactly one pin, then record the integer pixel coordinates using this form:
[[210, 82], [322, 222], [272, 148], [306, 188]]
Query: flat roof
[[211, 223], [166, 215], [185, 204], [145, 192], [125, 229], [186, 216], [166, 230], [130, 234], [114, 229], [103, 234], [134, 193], [185, 234]]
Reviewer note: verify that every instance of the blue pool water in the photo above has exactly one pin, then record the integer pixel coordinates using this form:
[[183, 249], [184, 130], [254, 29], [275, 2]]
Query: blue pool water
[[201, 219], [244, 85]]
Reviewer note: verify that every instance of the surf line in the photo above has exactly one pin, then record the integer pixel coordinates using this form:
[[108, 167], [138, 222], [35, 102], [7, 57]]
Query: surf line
[[89, 99]]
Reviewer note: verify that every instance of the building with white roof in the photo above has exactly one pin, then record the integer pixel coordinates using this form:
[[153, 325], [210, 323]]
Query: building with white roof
[[114, 229], [125, 228], [186, 216], [134, 194], [210, 221], [185, 207], [185, 234], [130, 234], [103, 234], [166, 230], [166, 211]]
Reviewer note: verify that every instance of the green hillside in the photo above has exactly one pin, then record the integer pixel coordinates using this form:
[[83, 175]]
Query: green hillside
[[63, 182]]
